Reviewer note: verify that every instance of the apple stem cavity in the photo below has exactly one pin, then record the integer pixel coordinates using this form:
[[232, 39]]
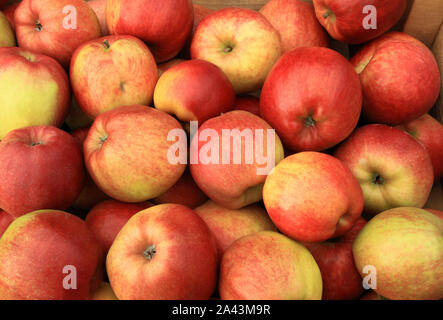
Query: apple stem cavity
[[38, 26], [378, 179], [103, 139], [310, 122], [106, 43], [33, 144], [150, 252]]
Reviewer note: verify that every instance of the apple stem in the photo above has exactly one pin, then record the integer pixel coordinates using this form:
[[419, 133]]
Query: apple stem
[[106, 43], [150, 252], [38, 26]]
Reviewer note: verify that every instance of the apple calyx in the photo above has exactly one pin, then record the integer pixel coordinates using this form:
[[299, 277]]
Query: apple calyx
[[106, 44], [310, 121], [329, 14], [37, 143], [150, 252], [103, 140], [378, 179], [38, 26]]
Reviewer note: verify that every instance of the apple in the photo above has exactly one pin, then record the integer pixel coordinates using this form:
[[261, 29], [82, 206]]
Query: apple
[[394, 91], [393, 169], [99, 7], [104, 292], [163, 67], [429, 132], [7, 38], [269, 266], [126, 153], [58, 258], [405, 248], [241, 42], [438, 213], [151, 21], [312, 197], [313, 98], [194, 90], [358, 21], [233, 176], [341, 279], [34, 90], [90, 194], [107, 218], [200, 12], [111, 72], [248, 103], [296, 22], [165, 252], [185, 192], [9, 12], [227, 226], [40, 167], [55, 27], [5, 220]]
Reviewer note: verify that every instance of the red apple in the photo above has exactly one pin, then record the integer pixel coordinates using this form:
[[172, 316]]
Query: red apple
[[269, 266], [9, 12], [55, 27], [163, 67], [126, 153], [58, 259], [248, 103], [164, 252], [111, 72], [228, 226], [341, 279], [165, 25], [40, 167], [107, 218], [185, 192], [312, 197], [241, 42], [99, 7], [200, 12], [400, 79], [296, 22], [429, 132], [233, 175], [313, 98], [5, 220], [358, 21], [194, 90], [393, 169], [34, 90]]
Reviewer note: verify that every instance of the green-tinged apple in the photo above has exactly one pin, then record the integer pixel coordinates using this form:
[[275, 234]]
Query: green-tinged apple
[[341, 279], [358, 21], [185, 192], [107, 218], [312, 197], [55, 27], [162, 253], [104, 292], [404, 246], [200, 12], [248, 103], [5, 220], [9, 12], [58, 259], [34, 90], [90, 194], [126, 153], [269, 266], [7, 38], [400, 79], [313, 98], [164, 25], [429, 132], [41, 167], [231, 156], [111, 72], [393, 169], [194, 90], [241, 42], [228, 226], [99, 7], [163, 67], [296, 22]]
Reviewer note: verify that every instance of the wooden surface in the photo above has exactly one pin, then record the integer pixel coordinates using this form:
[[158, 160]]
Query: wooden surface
[[217, 4]]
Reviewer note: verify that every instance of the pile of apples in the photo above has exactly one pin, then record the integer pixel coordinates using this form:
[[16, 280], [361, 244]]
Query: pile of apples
[[93, 208]]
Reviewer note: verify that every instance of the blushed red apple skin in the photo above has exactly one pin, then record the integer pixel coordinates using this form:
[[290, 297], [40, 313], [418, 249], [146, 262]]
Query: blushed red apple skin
[[151, 22], [200, 12], [312, 197], [312, 84], [341, 279], [296, 22], [99, 7], [393, 169], [400, 79], [40, 167], [346, 23], [248, 103], [107, 218], [183, 267], [5, 220], [429, 132], [33, 269], [53, 39]]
